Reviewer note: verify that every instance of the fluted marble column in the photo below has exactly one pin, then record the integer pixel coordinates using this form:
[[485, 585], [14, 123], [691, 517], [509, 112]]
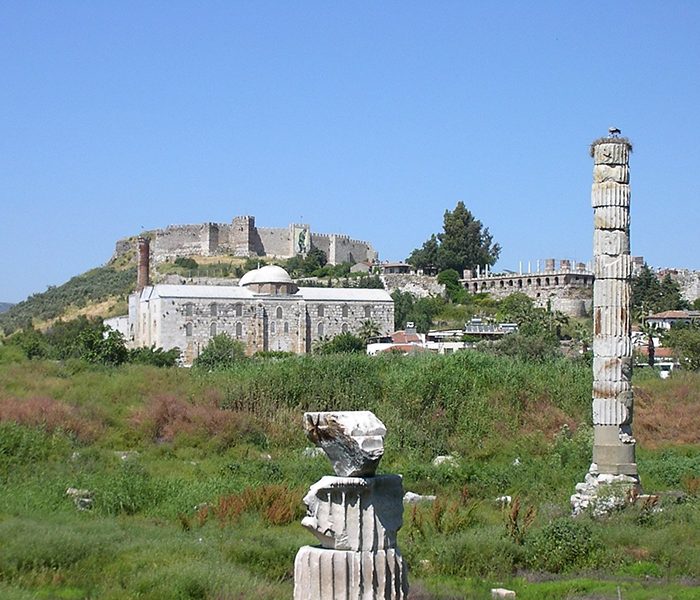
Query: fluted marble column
[[614, 446]]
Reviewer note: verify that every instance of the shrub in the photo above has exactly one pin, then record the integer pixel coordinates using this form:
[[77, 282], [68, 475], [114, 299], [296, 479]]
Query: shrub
[[563, 545], [156, 357], [222, 352]]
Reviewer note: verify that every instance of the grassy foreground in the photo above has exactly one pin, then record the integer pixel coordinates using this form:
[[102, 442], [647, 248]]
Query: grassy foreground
[[196, 479]]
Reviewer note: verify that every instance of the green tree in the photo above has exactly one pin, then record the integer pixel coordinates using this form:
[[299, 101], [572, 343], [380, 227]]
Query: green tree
[[649, 295], [453, 288], [368, 329], [463, 244], [222, 352], [341, 343], [685, 340], [102, 346], [420, 311]]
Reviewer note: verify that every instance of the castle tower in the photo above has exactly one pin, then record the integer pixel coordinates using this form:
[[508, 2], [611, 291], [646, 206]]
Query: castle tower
[[242, 235], [613, 445]]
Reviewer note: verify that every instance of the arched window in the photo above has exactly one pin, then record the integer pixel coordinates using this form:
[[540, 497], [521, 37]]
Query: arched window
[[556, 281], [189, 309], [239, 330], [212, 329], [344, 328], [273, 327], [501, 283], [538, 281], [320, 330], [188, 329], [345, 311], [213, 309], [321, 310], [286, 327], [239, 310], [279, 312], [520, 283], [368, 312], [546, 280]]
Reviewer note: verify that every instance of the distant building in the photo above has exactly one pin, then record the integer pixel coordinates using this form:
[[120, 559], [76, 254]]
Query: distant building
[[266, 311], [568, 289], [243, 238], [668, 318]]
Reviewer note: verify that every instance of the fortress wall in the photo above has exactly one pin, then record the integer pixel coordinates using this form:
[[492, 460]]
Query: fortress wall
[[181, 240], [322, 241], [275, 241], [243, 238], [565, 291]]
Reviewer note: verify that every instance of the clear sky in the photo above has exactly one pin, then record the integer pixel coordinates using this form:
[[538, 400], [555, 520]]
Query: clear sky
[[365, 118]]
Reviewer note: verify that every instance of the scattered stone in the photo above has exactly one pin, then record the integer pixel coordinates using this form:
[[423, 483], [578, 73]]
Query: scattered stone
[[448, 460], [81, 498], [312, 452], [75, 456], [413, 498], [603, 493], [502, 593], [503, 501], [517, 462], [352, 440], [265, 456], [126, 454]]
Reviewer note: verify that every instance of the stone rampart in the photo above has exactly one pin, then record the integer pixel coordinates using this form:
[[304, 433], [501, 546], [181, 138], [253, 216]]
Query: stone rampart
[[242, 238]]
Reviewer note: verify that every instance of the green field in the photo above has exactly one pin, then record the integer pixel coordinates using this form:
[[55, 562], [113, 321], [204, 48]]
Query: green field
[[196, 479]]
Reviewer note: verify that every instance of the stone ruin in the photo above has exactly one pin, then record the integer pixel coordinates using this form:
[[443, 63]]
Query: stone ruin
[[612, 480], [355, 515]]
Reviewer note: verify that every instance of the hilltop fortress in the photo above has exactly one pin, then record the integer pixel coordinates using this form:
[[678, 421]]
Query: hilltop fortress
[[243, 238]]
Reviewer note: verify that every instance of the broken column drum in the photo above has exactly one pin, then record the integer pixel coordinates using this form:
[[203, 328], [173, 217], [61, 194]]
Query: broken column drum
[[355, 515], [613, 445]]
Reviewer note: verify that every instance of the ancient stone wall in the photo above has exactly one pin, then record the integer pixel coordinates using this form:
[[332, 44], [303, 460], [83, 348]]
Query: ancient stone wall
[[242, 238], [184, 240], [566, 290], [421, 286], [689, 282]]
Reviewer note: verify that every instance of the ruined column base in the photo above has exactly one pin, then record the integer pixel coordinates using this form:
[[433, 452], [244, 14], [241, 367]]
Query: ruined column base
[[604, 493], [324, 574], [614, 451]]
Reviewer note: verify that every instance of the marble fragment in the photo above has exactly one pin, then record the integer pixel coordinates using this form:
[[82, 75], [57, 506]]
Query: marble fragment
[[352, 440]]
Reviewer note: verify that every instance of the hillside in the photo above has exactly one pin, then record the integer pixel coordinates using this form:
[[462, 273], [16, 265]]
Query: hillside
[[107, 286], [5, 306]]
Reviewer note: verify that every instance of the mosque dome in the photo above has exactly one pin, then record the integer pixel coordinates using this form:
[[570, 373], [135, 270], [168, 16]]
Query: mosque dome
[[266, 274]]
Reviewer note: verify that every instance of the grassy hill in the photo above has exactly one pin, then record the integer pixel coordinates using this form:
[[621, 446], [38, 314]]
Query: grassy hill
[[196, 478], [5, 306], [106, 285]]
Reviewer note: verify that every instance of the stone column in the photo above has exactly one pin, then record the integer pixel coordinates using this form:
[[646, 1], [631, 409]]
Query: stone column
[[355, 516], [613, 444]]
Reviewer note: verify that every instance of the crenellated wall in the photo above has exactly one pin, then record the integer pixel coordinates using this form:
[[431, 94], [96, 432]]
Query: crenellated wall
[[242, 238]]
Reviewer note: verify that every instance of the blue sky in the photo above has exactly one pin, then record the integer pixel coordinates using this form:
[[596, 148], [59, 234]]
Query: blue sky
[[362, 118]]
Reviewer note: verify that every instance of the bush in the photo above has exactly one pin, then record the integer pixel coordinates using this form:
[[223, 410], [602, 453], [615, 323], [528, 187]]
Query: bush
[[564, 545], [156, 357], [344, 342], [222, 352]]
